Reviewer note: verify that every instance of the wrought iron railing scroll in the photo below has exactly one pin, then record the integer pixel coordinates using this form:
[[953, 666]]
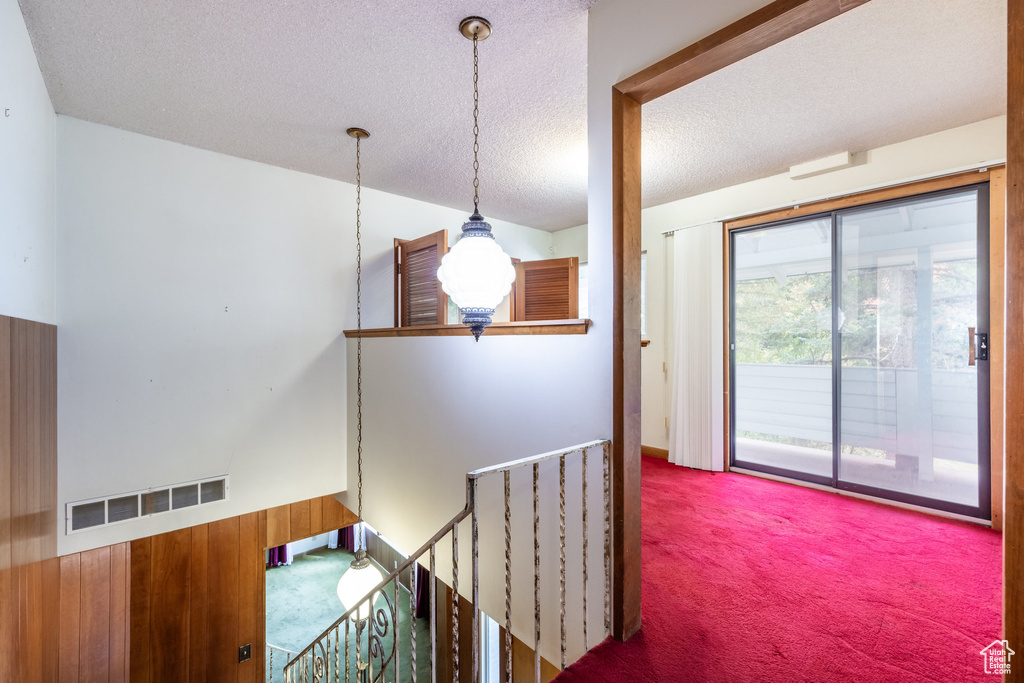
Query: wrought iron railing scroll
[[371, 650]]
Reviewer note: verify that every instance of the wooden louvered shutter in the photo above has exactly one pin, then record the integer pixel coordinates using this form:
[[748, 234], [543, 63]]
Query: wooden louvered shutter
[[419, 299], [547, 290]]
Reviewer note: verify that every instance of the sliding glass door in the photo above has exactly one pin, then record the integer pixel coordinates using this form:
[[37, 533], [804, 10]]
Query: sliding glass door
[[858, 354], [782, 348], [913, 297]]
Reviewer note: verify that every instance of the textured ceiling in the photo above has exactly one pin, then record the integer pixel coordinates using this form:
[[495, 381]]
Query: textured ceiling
[[279, 82], [887, 71]]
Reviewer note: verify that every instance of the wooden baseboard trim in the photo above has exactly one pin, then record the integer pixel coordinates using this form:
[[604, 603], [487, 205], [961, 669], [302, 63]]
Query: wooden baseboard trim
[[654, 452]]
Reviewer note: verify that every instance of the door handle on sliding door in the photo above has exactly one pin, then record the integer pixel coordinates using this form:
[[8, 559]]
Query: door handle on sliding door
[[981, 351]]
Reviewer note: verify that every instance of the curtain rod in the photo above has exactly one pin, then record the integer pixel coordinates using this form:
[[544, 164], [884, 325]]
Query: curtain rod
[[878, 186]]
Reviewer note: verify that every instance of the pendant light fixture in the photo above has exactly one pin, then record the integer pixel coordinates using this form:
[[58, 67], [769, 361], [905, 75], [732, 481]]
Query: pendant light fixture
[[476, 273], [362, 576]]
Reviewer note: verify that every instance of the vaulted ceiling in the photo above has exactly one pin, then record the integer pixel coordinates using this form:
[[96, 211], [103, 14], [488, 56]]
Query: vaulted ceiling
[[280, 82]]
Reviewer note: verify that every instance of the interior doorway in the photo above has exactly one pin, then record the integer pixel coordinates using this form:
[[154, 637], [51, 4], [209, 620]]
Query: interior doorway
[[302, 601]]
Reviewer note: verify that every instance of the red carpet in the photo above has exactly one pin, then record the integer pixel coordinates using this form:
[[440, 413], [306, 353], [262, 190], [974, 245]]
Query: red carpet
[[752, 580]]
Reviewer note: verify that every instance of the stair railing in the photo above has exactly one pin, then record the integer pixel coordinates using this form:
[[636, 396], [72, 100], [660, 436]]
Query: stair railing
[[271, 649], [376, 651]]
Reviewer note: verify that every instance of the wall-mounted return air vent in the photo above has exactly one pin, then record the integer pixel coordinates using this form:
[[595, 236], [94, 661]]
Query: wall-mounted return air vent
[[89, 514]]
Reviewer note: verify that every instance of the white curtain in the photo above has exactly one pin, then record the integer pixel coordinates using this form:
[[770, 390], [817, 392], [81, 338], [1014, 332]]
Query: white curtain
[[696, 423]]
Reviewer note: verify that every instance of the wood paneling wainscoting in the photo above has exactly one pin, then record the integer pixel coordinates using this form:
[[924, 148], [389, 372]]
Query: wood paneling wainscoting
[[172, 607], [29, 569], [196, 597], [198, 594], [94, 594], [176, 606], [522, 654]]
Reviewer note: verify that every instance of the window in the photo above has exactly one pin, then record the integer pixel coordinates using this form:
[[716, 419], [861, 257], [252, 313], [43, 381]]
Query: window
[[419, 299], [547, 290]]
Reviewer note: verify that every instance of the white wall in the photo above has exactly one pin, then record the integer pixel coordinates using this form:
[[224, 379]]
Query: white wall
[[945, 152], [435, 408], [26, 176], [201, 300], [519, 395], [570, 242], [201, 304], [307, 544], [625, 37]]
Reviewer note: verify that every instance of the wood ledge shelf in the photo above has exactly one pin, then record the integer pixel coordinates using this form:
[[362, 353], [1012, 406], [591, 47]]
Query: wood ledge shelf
[[577, 326]]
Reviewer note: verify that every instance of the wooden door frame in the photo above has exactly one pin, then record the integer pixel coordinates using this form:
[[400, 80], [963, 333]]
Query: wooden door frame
[[769, 26]]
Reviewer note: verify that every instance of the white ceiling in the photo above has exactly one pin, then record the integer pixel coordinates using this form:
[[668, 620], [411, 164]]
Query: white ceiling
[[279, 82], [887, 71]]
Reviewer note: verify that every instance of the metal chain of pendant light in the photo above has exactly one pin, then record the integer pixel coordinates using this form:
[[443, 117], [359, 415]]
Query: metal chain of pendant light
[[359, 134], [476, 116], [478, 277], [362, 576], [476, 273]]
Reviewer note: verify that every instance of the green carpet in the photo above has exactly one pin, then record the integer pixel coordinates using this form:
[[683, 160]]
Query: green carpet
[[302, 601]]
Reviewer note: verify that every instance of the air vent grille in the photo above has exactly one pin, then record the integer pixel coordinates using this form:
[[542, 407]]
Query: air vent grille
[[123, 507], [212, 491], [185, 496], [156, 501], [88, 515]]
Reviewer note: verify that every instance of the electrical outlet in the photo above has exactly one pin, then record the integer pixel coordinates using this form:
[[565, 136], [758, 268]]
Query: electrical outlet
[[244, 652]]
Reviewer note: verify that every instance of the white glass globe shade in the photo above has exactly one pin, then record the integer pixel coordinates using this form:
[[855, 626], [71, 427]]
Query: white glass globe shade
[[476, 273], [355, 584]]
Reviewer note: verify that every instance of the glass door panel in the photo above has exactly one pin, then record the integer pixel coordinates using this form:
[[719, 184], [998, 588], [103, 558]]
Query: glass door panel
[[908, 391], [782, 349]]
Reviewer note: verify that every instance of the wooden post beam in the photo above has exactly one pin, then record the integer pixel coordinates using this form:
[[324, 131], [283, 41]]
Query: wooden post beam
[[626, 366], [1013, 520], [768, 26]]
